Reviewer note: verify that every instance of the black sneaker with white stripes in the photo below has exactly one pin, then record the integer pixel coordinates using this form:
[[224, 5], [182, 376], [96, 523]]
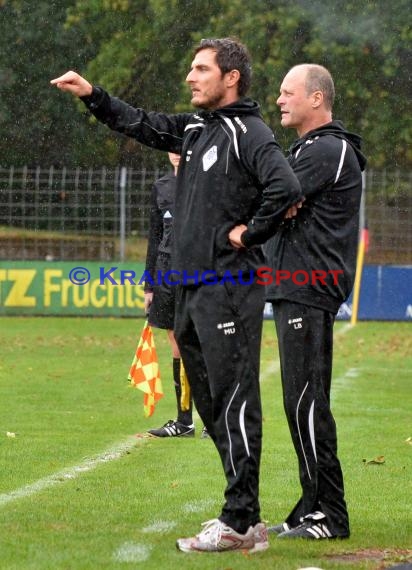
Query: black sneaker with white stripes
[[279, 528], [173, 428], [313, 527]]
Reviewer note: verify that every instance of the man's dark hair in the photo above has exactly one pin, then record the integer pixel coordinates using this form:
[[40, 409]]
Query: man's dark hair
[[231, 54]]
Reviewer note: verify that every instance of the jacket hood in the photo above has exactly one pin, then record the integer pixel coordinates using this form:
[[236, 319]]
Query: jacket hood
[[336, 129], [244, 106]]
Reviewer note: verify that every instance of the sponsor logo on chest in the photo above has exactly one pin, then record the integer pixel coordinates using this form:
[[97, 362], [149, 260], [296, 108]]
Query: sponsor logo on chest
[[209, 158]]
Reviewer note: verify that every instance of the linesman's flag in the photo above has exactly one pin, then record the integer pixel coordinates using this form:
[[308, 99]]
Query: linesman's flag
[[144, 372]]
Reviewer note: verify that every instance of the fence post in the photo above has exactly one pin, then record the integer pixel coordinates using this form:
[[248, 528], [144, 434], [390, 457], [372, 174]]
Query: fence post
[[122, 225]]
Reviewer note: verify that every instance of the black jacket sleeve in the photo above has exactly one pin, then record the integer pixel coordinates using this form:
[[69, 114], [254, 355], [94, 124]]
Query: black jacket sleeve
[[280, 188], [318, 164], [154, 239], [157, 130]]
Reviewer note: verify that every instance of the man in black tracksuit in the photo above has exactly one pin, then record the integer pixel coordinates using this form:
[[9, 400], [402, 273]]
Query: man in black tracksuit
[[234, 187], [313, 258]]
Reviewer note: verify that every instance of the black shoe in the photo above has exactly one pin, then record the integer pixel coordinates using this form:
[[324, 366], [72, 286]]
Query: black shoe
[[313, 527], [279, 528], [173, 428]]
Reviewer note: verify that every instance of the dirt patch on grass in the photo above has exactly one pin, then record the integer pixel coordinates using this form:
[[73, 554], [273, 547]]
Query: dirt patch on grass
[[385, 558], [395, 344]]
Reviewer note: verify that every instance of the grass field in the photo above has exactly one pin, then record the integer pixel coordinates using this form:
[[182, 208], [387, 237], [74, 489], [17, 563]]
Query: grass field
[[78, 490]]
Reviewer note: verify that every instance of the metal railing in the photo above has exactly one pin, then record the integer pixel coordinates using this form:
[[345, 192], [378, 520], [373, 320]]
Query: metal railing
[[69, 214]]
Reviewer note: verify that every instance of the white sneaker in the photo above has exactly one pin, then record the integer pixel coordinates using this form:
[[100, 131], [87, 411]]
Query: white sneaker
[[218, 537]]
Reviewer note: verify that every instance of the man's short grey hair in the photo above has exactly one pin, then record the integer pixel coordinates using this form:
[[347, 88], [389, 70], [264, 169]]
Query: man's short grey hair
[[318, 78]]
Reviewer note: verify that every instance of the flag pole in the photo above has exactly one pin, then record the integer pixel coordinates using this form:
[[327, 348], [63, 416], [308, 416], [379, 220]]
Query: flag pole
[[360, 256]]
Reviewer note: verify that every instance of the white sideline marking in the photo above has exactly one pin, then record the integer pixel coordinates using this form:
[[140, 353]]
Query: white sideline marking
[[271, 369], [132, 552], [349, 373], [198, 506], [386, 369], [159, 526], [346, 327], [344, 382], [115, 452]]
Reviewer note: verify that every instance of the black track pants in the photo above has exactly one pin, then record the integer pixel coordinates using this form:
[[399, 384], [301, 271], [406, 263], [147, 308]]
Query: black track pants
[[218, 329], [305, 337]]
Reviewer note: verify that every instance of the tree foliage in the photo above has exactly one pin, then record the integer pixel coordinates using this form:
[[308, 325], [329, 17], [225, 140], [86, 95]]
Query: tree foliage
[[140, 50], [37, 125]]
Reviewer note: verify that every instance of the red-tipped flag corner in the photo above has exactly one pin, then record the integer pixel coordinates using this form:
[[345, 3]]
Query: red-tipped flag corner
[[144, 372]]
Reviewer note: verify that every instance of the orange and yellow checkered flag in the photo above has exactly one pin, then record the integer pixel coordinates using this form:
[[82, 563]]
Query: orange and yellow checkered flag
[[144, 372]]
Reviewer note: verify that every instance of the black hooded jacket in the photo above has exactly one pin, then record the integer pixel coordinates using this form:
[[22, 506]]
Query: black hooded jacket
[[313, 256], [160, 239], [231, 172]]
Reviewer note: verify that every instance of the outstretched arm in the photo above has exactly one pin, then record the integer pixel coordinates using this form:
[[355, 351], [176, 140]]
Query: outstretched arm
[[156, 130], [73, 83]]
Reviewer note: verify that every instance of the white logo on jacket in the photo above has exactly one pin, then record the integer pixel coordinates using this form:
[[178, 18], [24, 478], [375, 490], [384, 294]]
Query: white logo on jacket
[[241, 125], [209, 158], [297, 323], [228, 328]]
